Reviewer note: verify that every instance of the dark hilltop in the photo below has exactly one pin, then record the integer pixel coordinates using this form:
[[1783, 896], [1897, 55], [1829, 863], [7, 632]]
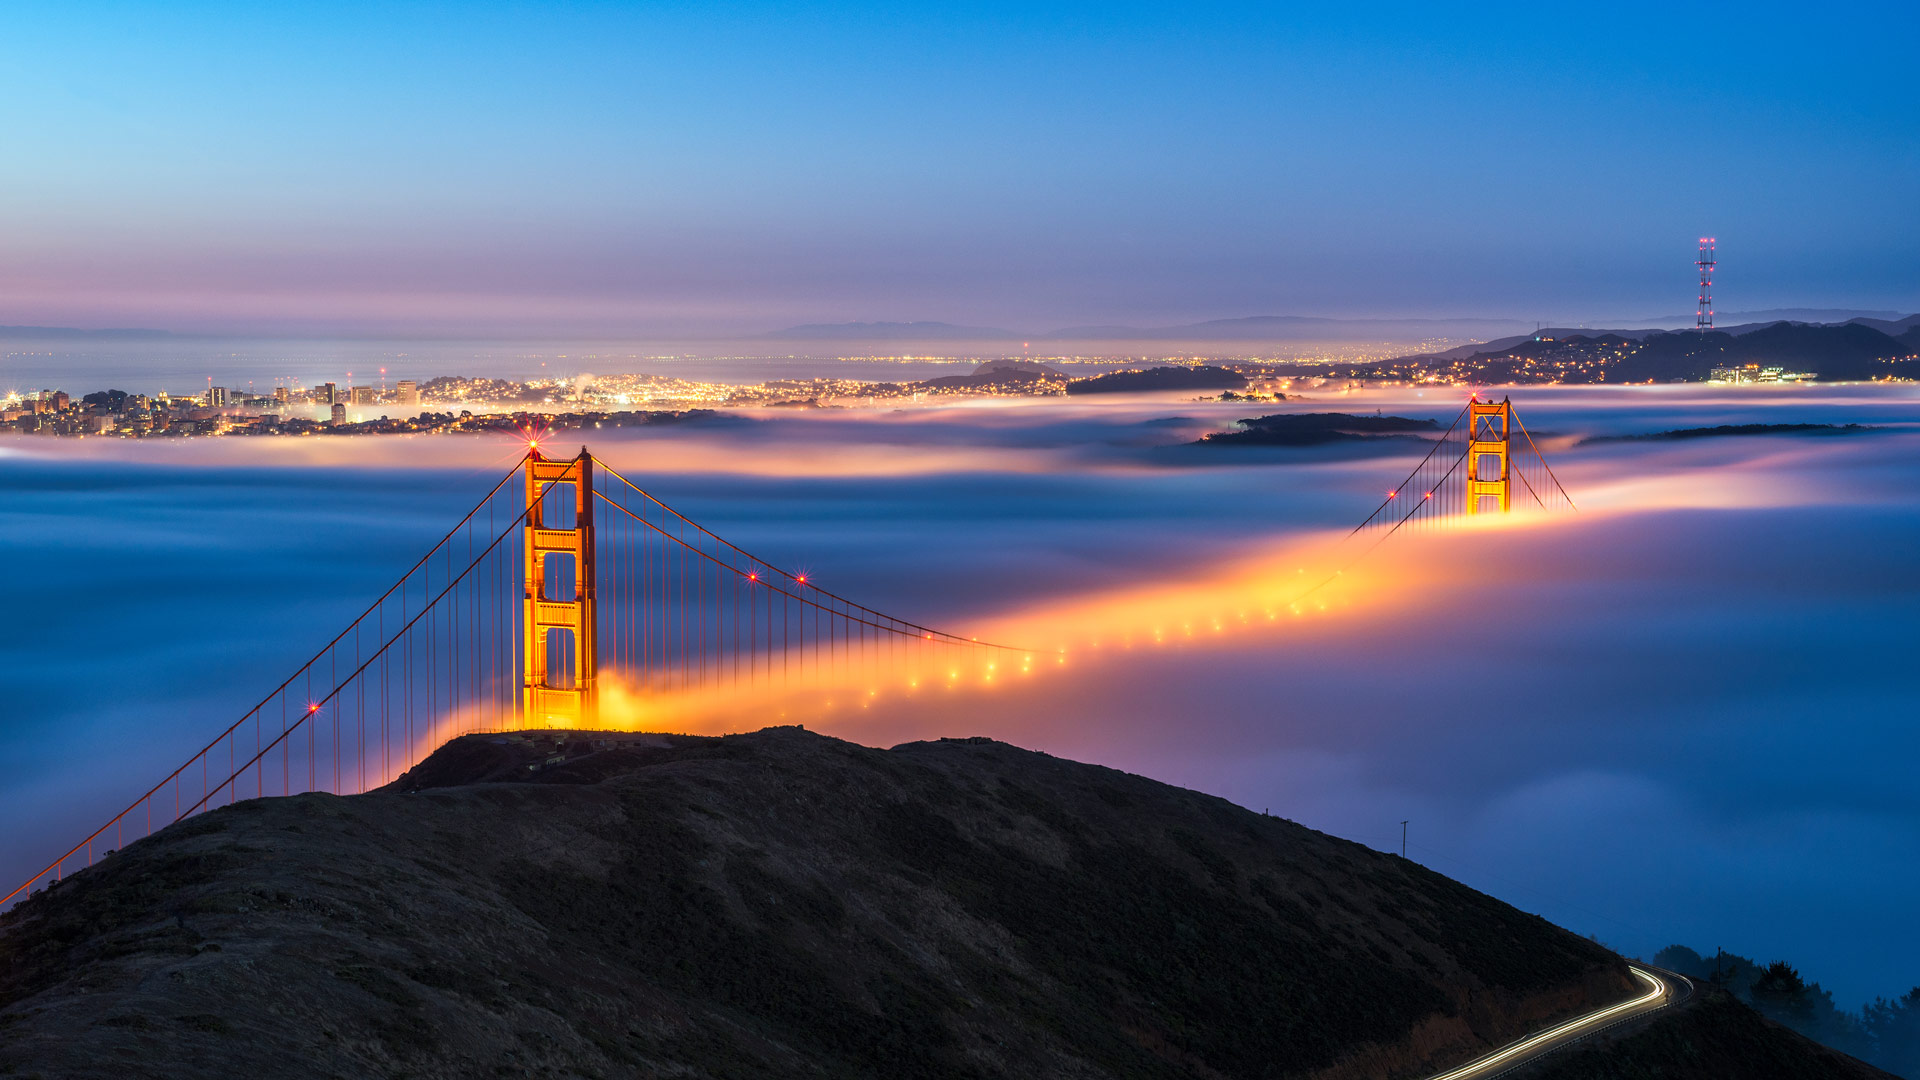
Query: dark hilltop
[[1203, 377], [1862, 349], [1318, 429], [777, 904]]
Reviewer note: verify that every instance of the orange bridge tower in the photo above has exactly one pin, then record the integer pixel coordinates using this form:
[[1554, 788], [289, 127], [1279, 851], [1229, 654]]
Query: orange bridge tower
[[1487, 452], [558, 650]]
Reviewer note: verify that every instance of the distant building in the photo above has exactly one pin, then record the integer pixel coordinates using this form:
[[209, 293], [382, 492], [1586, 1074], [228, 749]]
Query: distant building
[[329, 394], [339, 413], [360, 395], [60, 400], [1754, 373], [280, 394], [409, 392], [216, 397]]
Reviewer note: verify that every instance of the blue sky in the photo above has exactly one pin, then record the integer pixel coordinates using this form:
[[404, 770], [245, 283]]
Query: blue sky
[[694, 169]]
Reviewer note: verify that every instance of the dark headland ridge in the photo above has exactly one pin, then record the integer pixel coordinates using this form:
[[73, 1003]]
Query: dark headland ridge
[[781, 903]]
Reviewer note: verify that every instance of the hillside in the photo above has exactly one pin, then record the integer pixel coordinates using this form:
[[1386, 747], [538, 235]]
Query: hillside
[[770, 904], [1843, 351], [1009, 376], [1160, 378], [1316, 429], [778, 903], [1717, 1038]]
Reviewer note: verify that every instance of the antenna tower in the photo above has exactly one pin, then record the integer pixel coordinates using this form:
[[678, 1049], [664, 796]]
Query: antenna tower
[[1703, 318]]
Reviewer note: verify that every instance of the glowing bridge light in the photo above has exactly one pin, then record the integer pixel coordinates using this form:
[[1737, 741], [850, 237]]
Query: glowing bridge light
[[569, 703]]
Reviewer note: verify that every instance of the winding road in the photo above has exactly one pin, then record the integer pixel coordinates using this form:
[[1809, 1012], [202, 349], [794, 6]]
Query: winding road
[[1663, 989]]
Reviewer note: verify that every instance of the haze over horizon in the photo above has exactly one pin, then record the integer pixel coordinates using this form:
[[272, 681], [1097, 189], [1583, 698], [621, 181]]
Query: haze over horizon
[[682, 171]]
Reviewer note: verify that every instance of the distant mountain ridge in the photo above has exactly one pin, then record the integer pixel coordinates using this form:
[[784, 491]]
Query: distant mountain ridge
[[63, 333], [1253, 328], [1283, 328], [889, 331], [1774, 315]]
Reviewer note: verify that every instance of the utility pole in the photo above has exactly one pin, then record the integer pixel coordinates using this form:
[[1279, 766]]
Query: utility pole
[[1403, 839]]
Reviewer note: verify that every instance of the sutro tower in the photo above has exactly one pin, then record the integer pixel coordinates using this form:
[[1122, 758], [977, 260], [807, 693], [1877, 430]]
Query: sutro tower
[[1703, 319]]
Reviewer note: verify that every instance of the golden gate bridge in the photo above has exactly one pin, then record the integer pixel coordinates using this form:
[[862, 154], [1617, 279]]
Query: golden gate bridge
[[568, 589]]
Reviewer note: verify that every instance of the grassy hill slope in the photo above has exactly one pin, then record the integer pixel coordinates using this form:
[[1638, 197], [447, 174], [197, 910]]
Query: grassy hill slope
[[778, 903]]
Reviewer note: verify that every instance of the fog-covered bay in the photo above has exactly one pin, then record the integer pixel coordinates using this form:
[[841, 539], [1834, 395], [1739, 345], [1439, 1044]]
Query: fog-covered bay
[[1683, 714]]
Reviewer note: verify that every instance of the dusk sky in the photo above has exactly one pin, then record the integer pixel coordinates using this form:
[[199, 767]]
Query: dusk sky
[[612, 169]]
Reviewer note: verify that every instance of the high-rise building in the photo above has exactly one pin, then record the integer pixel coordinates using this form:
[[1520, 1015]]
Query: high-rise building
[[280, 394], [216, 397], [329, 394], [339, 413], [360, 395], [409, 392]]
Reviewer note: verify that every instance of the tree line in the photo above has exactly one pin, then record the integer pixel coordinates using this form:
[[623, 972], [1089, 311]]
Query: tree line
[[1885, 1032]]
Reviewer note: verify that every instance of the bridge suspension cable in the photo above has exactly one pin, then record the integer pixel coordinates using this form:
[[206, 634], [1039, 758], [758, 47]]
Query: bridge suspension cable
[[404, 709], [446, 649], [1437, 490], [755, 564], [450, 648]]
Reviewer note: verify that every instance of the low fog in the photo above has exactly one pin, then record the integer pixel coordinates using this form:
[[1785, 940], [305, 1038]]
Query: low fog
[[1680, 714]]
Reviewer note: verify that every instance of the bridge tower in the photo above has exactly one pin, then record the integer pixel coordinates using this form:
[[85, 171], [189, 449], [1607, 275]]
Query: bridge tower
[[1491, 425], [570, 700]]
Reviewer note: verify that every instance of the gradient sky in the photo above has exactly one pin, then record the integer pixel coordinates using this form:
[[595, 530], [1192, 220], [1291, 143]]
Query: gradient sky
[[671, 169]]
